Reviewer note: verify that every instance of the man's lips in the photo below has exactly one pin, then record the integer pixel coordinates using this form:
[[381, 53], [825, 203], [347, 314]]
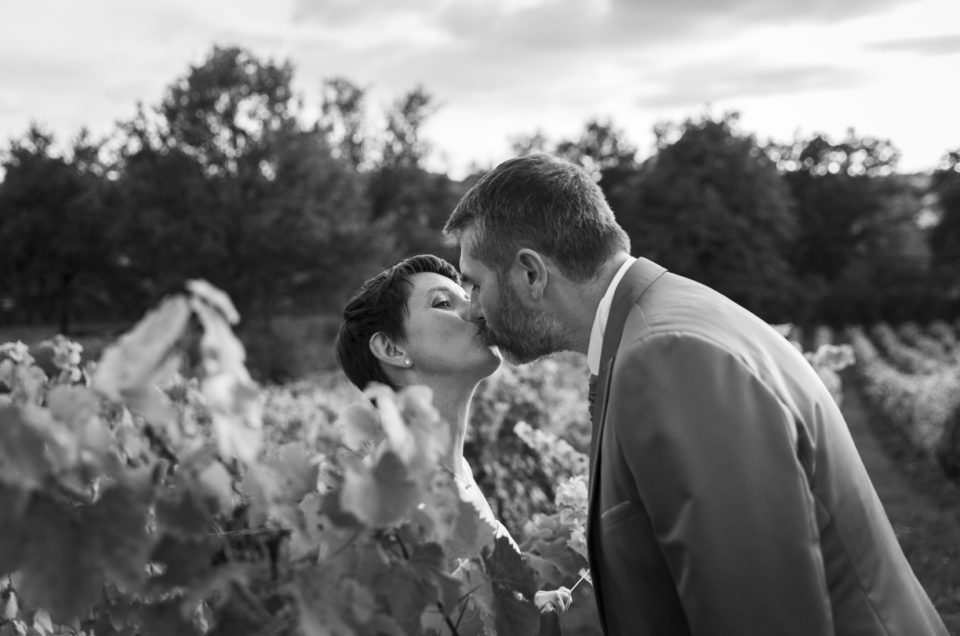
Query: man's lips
[[487, 336]]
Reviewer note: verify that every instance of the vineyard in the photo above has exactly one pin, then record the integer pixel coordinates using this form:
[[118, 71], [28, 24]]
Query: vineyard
[[160, 490]]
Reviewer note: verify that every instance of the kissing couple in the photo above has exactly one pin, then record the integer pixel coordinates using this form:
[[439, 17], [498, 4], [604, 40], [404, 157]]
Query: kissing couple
[[726, 496]]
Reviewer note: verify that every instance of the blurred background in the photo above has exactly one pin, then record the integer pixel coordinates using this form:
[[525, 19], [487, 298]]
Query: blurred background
[[802, 158]]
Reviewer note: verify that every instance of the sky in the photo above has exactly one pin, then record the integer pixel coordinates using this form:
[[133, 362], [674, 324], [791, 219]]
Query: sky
[[501, 69]]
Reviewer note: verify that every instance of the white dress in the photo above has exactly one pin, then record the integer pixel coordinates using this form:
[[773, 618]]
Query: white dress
[[470, 492]]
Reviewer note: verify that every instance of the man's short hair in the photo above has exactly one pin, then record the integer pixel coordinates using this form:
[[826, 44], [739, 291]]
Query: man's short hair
[[380, 305], [543, 203]]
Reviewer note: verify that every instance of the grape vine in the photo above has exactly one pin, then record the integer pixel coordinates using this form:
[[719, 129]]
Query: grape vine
[[143, 494]]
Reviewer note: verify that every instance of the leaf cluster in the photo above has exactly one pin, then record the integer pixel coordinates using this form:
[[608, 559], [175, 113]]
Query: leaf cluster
[[141, 495]]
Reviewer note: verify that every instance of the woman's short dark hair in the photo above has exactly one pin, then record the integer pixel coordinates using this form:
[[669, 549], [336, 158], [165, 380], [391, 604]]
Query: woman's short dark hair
[[543, 203], [380, 305]]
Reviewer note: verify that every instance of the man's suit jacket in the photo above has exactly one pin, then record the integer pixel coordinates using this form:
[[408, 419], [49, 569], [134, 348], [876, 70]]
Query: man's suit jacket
[[726, 494]]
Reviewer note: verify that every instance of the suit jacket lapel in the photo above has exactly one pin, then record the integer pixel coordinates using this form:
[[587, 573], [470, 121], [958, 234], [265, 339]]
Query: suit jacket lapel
[[634, 283]]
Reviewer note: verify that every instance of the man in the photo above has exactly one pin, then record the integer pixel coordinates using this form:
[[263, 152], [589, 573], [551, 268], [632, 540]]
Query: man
[[726, 495]]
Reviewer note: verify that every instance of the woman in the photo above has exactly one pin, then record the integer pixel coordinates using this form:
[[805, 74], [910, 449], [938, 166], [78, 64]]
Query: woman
[[408, 326]]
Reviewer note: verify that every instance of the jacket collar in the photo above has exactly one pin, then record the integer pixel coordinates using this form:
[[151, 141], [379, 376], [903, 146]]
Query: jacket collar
[[637, 280]]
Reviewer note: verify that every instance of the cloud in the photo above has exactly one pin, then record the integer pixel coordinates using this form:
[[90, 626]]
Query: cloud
[[524, 25], [697, 85], [475, 48], [933, 45]]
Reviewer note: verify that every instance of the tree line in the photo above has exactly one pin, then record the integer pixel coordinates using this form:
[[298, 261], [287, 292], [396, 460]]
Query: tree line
[[228, 179]]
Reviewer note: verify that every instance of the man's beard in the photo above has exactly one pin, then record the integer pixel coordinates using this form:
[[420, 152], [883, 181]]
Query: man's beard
[[522, 335]]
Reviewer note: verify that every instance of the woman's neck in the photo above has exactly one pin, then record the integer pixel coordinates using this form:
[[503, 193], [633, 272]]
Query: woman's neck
[[453, 404]]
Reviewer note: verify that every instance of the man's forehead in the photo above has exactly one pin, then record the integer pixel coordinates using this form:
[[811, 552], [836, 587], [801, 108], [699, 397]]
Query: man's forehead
[[470, 268]]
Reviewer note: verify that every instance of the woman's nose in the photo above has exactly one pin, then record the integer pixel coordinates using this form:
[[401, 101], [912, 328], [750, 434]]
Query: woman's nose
[[474, 312]]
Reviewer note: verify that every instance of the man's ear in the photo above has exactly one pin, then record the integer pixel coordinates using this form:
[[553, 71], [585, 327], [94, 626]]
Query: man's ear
[[388, 352], [532, 273]]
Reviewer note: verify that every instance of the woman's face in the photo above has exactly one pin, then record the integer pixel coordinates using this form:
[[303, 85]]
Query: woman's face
[[440, 338]]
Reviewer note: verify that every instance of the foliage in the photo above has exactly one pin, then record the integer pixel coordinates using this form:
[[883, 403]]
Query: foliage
[[860, 251], [229, 178], [922, 400], [343, 120], [602, 150], [826, 357], [262, 209], [54, 227], [143, 495], [510, 410], [711, 205], [945, 235]]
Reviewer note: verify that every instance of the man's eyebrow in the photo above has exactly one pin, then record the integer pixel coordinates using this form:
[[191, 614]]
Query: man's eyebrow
[[466, 279]]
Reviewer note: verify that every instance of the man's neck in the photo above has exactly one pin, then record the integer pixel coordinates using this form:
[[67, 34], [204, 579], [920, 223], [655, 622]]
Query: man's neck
[[579, 306]]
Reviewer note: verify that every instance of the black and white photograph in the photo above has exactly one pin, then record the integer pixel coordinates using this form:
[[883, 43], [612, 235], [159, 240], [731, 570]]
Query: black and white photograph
[[480, 318]]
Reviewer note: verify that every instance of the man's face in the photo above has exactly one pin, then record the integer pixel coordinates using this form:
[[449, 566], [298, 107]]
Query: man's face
[[522, 332]]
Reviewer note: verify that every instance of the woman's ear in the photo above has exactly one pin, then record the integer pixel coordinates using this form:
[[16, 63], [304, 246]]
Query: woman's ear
[[533, 273], [388, 352]]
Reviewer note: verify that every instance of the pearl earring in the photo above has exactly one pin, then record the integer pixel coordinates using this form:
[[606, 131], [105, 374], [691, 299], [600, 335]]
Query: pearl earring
[[407, 362]]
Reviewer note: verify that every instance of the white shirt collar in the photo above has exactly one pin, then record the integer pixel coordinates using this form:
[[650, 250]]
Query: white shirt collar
[[595, 348]]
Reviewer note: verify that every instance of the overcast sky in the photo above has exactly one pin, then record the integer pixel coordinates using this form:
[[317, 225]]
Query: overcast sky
[[503, 68]]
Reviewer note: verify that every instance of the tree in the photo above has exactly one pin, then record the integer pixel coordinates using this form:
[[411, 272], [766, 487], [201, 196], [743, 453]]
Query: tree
[[602, 150], [412, 201], [860, 249], [836, 189], [711, 205], [54, 228], [945, 235], [403, 144], [167, 227], [343, 120], [254, 196]]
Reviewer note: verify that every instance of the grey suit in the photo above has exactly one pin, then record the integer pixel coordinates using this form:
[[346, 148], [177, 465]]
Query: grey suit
[[726, 495]]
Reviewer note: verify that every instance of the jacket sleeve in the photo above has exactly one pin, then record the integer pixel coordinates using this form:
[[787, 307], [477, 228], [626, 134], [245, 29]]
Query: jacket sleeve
[[712, 452]]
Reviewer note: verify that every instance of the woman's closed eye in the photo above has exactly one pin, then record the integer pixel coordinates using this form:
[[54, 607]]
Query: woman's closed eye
[[449, 301]]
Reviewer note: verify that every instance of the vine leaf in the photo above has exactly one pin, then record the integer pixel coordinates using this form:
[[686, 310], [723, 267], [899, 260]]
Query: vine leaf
[[431, 434], [360, 426], [144, 358], [236, 408], [331, 604], [217, 484], [183, 561], [514, 586], [297, 473], [12, 503], [407, 595], [22, 459], [60, 573], [214, 297], [235, 402], [117, 529], [381, 495], [78, 409], [183, 514], [163, 619]]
